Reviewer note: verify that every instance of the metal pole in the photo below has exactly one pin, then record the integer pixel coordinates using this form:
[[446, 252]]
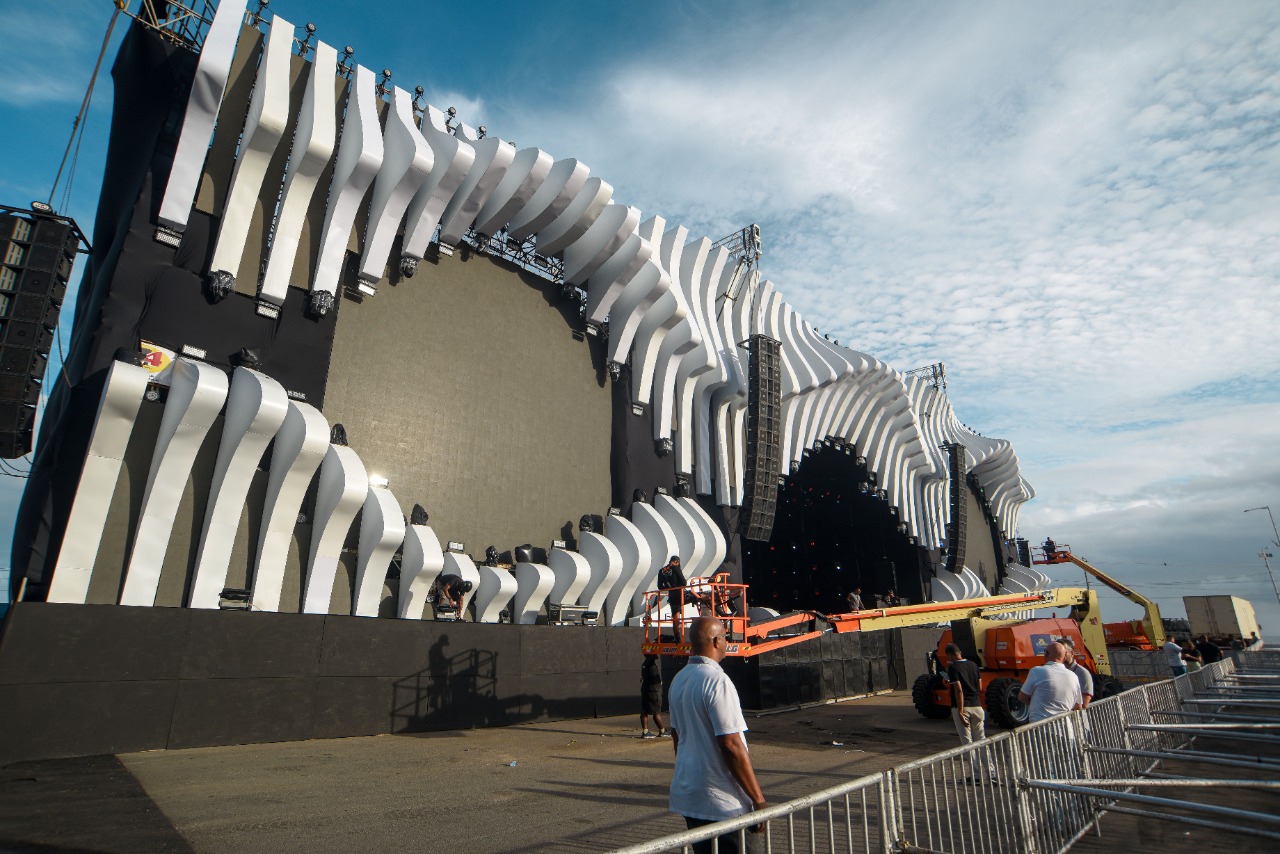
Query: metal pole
[[1264, 554]]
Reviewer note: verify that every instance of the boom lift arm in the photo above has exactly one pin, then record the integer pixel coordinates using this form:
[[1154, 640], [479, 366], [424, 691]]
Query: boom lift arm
[[1152, 624]]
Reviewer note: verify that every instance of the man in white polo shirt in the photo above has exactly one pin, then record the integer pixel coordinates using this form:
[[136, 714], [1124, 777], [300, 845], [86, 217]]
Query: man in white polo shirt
[[1051, 689], [713, 778]]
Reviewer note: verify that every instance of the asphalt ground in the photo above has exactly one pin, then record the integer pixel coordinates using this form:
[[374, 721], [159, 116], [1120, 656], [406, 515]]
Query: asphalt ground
[[572, 786]]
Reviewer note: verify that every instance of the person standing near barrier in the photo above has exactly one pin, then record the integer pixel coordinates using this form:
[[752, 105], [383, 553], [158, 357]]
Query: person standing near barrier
[[1082, 673], [651, 697], [1051, 689], [713, 778], [1209, 651], [965, 681], [1191, 657], [1173, 656], [855, 599]]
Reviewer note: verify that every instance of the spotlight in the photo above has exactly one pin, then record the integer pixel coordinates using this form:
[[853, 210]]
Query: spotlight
[[862, 461], [418, 516], [482, 131], [559, 544], [615, 369], [249, 358], [377, 480], [684, 486], [491, 556], [41, 207], [168, 237], [524, 553], [660, 490], [639, 496], [455, 547], [586, 524], [637, 409], [664, 446], [320, 303], [153, 393], [338, 435], [221, 284], [194, 352], [614, 511], [408, 266], [235, 599]]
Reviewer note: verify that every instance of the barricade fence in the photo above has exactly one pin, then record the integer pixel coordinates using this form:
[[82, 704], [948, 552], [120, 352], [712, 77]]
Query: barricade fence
[[1033, 790]]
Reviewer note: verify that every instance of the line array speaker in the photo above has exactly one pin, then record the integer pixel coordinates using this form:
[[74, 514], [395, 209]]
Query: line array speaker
[[764, 436], [38, 254], [957, 527]]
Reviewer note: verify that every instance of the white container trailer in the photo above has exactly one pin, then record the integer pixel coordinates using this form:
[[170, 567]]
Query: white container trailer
[[1220, 617]]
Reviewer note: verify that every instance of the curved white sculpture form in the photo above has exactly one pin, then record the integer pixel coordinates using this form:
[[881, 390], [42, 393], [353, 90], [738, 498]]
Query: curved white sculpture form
[[420, 566], [706, 268], [667, 334], [313, 142], [196, 394], [256, 407], [692, 543], [112, 427], [493, 157], [662, 542], [633, 548], [606, 568], [382, 530], [576, 218], [717, 548], [454, 157], [493, 593], [300, 446], [343, 487], [264, 130], [599, 243], [462, 566], [608, 282], [534, 582], [572, 575], [522, 179], [649, 284], [406, 163], [562, 185], [359, 157], [207, 89]]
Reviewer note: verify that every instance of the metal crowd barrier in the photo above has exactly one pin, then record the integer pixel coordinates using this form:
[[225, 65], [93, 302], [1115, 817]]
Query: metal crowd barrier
[[1042, 787]]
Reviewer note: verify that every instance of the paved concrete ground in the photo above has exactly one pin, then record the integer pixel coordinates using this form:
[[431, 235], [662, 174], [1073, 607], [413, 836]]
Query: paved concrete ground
[[577, 786]]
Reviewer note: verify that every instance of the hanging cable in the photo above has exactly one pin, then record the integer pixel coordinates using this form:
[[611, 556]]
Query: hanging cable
[[84, 106]]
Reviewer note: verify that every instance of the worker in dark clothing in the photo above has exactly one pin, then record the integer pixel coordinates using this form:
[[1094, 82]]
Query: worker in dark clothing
[[964, 680], [671, 578], [651, 697], [450, 590], [1209, 651]]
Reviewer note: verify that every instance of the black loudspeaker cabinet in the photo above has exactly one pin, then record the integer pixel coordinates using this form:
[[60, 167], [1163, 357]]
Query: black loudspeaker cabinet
[[764, 440], [37, 252]]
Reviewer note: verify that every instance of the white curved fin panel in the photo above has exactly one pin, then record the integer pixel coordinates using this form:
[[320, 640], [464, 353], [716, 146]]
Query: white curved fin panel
[[454, 158], [264, 131], [462, 566], [662, 543], [608, 282], [606, 568], [406, 163], [633, 548], [572, 575], [645, 288], [256, 407], [300, 446], [576, 218], [717, 548], [420, 566], [692, 543], [196, 394], [562, 185], [112, 427], [207, 89], [343, 487], [493, 157], [382, 531], [359, 157], [534, 582], [494, 592], [521, 180], [600, 242], [313, 141]]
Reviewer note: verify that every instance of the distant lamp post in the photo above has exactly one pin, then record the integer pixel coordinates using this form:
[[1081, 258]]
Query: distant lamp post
[[1265, 554]]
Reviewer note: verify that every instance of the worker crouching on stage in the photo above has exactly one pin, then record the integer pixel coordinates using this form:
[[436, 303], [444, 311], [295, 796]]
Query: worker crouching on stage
[[450, 590]]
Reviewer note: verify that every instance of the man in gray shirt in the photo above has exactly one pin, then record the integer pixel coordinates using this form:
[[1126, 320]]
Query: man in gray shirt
[[1082, 673]]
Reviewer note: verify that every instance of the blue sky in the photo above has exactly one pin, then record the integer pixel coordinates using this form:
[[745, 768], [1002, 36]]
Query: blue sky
[[1075, 207]]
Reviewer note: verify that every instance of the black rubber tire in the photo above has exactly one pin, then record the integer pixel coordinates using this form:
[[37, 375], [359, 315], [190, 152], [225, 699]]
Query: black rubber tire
[[1003, 705], [922, 696], [1106, 686]]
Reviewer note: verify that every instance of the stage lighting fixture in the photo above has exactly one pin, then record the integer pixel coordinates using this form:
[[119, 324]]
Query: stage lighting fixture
[[614, 511], [221, 285], [320, 303], [249, 358], [153, 393], [418, 515], [660, 490], [377, 480], [296, 395], [615, 371], [902, 527], [408, 266], [864, 487], [504, 616], [41, 207], [604, 329], [684, 486], [366, 288], [168, 237], [590, 618], [862, 461], [559, 544], [444, 249], [524, 553], [491, 556], [586, 524], [194, 352], [235, 599], [338, 435], [664, 446], [455, 547], [482, 131], [639, 496], [267, 309]]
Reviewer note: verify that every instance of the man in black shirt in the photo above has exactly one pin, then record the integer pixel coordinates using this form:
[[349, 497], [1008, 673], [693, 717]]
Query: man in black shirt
[[1209, 651], [450, 590], [965, 681], [671, 579]]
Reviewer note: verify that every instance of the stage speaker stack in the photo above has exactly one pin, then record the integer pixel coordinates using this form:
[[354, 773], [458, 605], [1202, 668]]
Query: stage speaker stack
[[764, 436], [38, 253], [957, 527]]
